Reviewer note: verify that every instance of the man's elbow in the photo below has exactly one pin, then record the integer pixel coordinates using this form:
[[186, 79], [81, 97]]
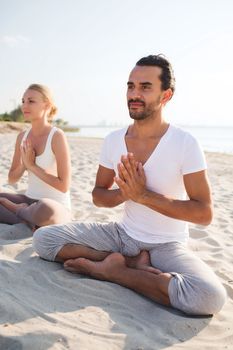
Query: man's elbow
[[95, 198], [96, 202], [206, 216]]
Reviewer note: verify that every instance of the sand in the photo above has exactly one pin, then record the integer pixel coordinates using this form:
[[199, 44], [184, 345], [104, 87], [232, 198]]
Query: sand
[[42, 306]]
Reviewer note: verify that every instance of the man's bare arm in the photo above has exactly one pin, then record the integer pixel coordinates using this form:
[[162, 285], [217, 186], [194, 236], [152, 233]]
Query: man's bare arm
[[102, 194], [196, 209]]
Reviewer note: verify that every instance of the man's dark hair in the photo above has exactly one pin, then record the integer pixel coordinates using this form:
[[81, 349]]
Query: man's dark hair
[[167, 76]]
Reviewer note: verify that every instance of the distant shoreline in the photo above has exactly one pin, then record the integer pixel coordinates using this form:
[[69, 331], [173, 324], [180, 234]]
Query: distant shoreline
[[212, 139], [11, 127]]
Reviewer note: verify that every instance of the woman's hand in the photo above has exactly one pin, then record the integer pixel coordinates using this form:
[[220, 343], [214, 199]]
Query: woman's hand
[[28, 154]]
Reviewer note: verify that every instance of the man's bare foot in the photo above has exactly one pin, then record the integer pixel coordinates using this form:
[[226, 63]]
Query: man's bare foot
[[142, 262], [13, 207], [114, 269], [108, 269]]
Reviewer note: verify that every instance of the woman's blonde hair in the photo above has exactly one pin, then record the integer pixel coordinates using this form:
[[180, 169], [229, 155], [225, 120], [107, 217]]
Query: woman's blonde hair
[[47, 95]]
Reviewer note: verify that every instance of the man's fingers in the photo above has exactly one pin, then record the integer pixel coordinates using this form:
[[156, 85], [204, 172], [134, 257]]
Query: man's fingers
[[120, 169], [127, 164], [141, 171], [124, 172], [121, 184], [133, 163]]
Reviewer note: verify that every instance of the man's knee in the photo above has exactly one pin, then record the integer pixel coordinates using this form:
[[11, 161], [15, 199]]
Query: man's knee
[[197, 297], [37, 238], [215, 299], [211, 299], [40, 243]]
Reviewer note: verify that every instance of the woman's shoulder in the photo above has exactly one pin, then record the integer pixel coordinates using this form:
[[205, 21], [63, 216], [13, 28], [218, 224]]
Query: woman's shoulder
[[58, 138], [58, 133]]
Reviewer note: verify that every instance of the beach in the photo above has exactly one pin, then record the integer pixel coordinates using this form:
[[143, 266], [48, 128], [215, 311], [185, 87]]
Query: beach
[[42, 306]]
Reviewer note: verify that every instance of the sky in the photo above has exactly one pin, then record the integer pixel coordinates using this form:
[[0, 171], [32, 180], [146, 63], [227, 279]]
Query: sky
[[84, 51]]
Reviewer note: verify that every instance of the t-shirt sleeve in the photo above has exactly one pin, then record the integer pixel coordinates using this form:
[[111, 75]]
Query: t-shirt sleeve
[[194, 158], [105, 159]]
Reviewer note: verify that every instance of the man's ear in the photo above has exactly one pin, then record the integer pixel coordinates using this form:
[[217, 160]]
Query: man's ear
[[167, 95]]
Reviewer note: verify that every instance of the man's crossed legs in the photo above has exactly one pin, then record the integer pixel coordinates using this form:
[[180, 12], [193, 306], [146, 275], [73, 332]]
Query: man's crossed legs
[[169, 274]]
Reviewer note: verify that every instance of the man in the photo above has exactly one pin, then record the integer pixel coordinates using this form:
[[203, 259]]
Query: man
[[161, 178]]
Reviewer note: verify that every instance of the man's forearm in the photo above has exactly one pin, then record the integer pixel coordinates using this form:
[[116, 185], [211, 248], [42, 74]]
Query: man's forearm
[[188, 210], [106, 198]]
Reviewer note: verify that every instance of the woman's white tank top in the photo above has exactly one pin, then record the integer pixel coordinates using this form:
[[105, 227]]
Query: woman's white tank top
[[38, 189]]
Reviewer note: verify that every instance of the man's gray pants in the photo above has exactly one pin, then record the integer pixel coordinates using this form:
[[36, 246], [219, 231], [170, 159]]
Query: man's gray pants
[[194, 288]]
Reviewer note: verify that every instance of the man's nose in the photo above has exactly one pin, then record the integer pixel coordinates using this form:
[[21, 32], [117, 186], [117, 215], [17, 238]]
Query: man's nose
[[135, 93]]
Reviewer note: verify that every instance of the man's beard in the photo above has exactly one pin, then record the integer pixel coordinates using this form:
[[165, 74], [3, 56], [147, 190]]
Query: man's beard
[[139, 115]]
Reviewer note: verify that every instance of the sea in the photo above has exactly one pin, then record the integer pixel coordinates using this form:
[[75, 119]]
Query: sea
[[212, 138]]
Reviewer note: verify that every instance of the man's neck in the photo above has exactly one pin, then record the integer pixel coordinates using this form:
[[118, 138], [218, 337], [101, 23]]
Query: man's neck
[[154, 128]]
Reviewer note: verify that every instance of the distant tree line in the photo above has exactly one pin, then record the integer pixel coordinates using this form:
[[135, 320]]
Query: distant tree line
[[17, 116], [14, 116]]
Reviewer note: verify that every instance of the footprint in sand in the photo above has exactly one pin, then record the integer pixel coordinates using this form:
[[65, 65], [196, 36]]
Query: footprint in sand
[[218, 255], [101, 218], [223, 221], [194, 233], [212, 242], [229, 290]]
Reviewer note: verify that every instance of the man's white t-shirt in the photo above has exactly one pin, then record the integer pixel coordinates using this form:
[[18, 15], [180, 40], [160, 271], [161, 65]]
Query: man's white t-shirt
[[177, 154]]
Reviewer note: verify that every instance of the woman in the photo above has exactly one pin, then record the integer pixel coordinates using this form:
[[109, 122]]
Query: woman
[[42, 151]]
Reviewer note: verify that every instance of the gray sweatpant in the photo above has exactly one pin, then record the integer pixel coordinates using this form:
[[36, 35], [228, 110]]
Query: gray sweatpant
[[38, 213], [194, 288]]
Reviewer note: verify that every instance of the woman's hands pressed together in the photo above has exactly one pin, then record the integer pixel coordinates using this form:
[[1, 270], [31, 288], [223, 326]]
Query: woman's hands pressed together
[[28, 154]]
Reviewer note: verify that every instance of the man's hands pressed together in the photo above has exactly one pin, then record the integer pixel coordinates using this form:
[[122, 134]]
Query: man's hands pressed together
[[131, 178]]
